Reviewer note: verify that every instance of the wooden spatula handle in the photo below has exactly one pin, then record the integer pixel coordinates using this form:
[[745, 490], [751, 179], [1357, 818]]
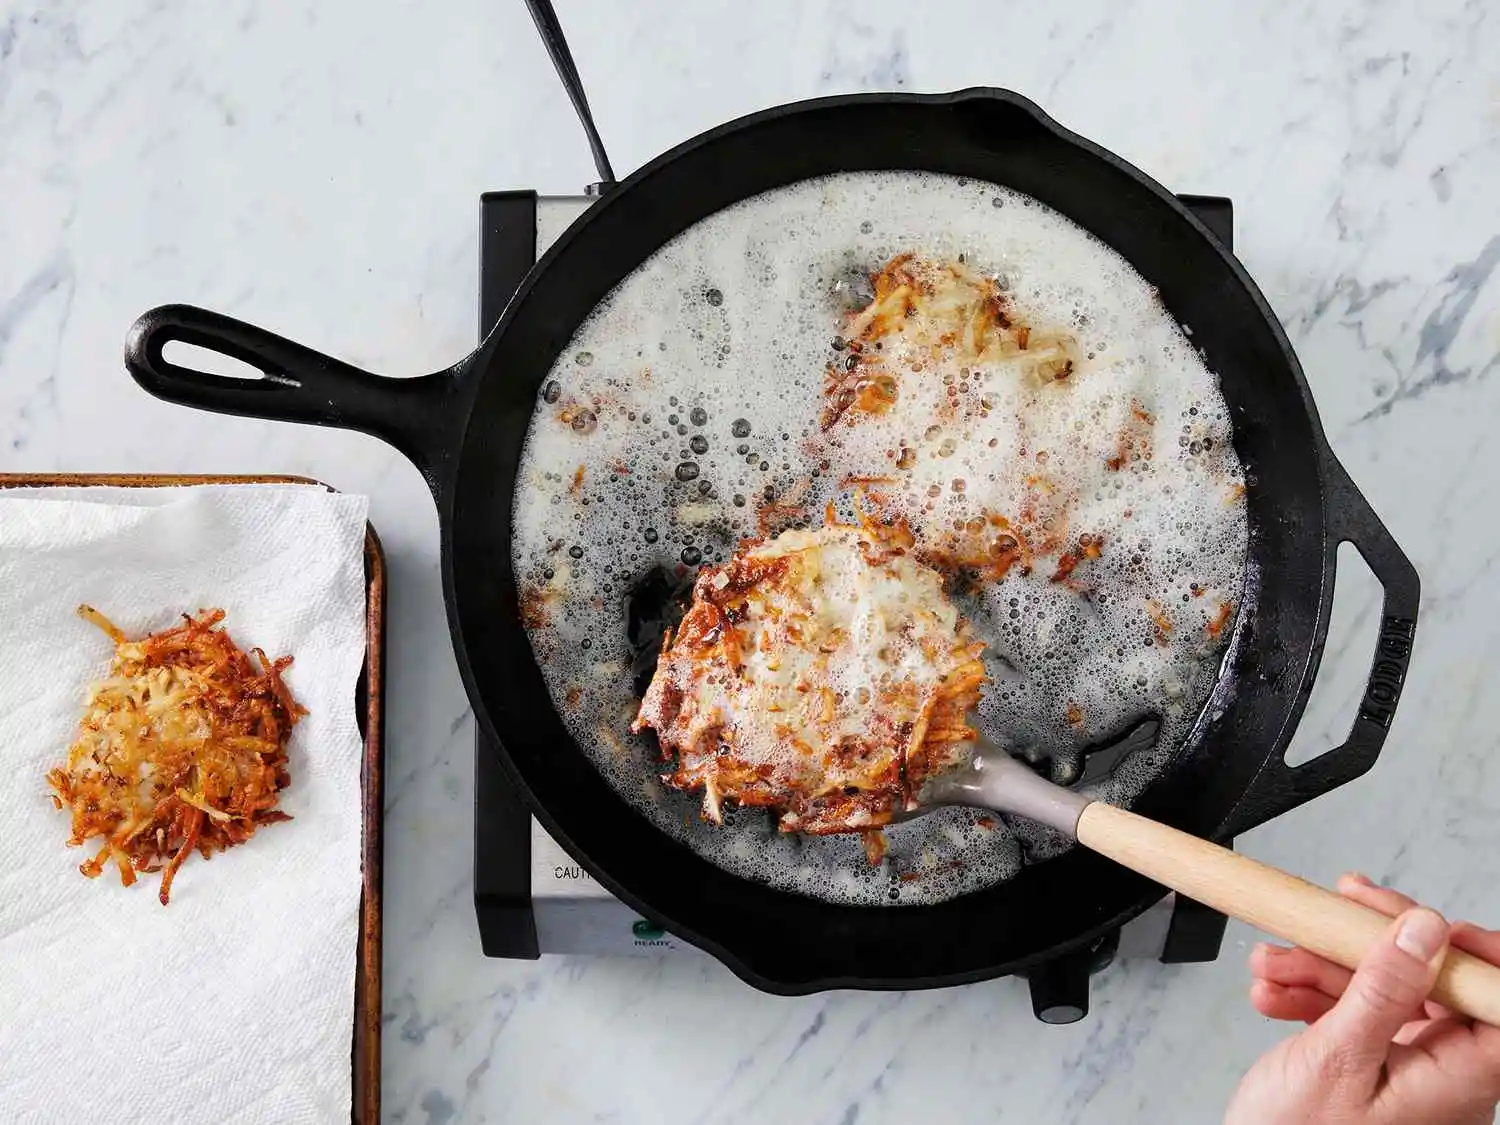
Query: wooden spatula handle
[[1271, 900]]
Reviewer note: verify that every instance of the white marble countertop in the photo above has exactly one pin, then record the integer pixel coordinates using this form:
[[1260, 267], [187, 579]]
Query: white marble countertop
[[315, 168]]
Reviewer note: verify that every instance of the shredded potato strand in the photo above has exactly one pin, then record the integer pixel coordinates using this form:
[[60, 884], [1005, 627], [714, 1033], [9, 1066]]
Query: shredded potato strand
[[181, 748]]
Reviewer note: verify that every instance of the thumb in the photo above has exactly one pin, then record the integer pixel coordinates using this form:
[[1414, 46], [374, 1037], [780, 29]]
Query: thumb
[[1387, 989]]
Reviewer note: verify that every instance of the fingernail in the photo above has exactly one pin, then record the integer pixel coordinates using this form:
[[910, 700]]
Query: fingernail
[[1359, 877], [1422, 934]]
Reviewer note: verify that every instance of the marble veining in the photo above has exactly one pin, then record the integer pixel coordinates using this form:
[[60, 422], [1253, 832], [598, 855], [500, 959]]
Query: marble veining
[[315, 168]]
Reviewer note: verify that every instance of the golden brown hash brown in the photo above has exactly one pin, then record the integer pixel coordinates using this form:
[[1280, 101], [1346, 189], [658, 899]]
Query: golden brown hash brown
[[182, 747], [934, 309], [747, 692]]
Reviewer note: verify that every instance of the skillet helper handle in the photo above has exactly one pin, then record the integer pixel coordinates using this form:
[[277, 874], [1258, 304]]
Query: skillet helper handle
[[1352, 520], [297, 384], [1269, 899], [1279, 788]]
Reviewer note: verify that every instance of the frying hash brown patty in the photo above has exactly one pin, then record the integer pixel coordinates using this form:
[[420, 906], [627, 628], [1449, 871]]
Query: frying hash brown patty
[[824, 674], [181, 747]]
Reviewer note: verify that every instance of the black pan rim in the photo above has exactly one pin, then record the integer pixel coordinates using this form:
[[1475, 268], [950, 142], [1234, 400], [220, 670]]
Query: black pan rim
[[739, 965]]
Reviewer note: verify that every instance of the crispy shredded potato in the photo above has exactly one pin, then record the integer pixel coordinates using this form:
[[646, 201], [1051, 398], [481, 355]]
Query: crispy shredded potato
[[823, 674], [929, 310], [182, 747]]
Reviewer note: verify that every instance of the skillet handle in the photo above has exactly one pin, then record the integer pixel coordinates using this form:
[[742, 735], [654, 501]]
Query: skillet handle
[[297, 384], [1280, 787]]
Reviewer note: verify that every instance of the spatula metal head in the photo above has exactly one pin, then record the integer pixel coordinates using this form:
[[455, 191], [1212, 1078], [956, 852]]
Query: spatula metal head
[[994, 779]]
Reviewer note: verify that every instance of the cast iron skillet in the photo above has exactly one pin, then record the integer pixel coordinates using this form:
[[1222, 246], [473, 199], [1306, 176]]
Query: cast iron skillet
[[464, 428]]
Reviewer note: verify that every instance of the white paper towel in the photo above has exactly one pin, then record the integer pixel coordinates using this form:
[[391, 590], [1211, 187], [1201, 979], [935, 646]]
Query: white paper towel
[[235, 1003]]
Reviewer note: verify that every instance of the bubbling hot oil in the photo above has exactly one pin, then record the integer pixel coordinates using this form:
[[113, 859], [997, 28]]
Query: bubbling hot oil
[[684, 418]]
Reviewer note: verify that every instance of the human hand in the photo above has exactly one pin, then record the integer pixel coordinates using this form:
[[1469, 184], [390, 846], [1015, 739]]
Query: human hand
[[1376, 1051]]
